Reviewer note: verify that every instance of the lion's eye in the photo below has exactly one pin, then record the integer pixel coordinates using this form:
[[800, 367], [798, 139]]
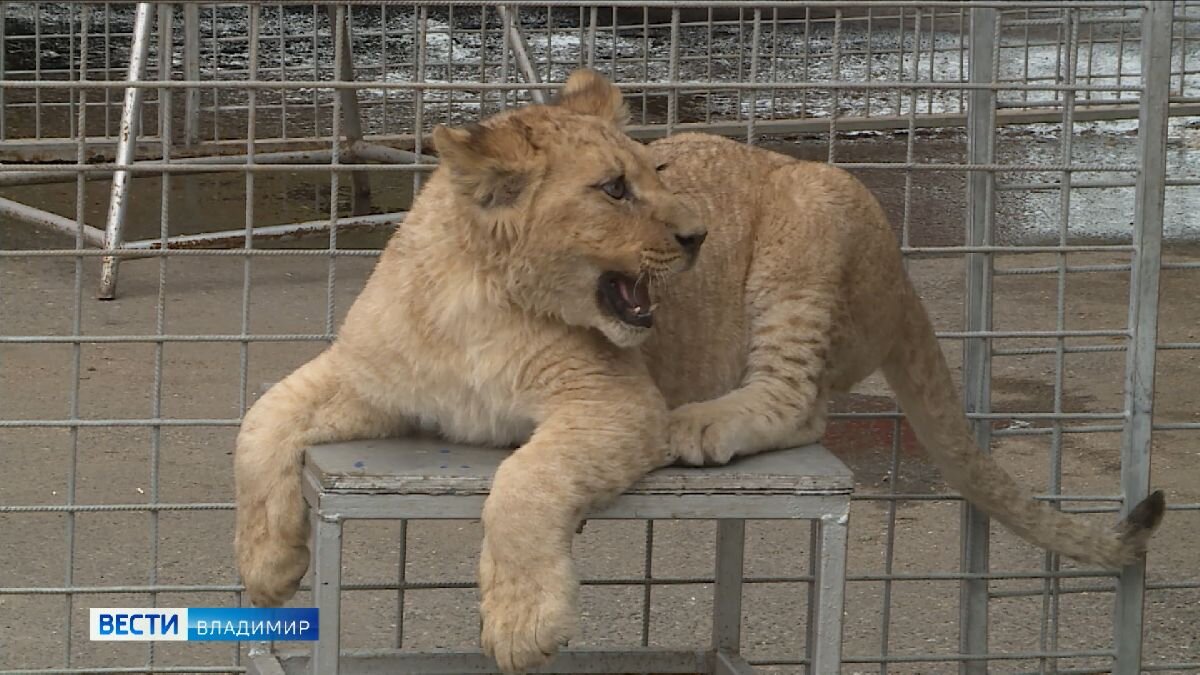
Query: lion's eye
[[615, 188]]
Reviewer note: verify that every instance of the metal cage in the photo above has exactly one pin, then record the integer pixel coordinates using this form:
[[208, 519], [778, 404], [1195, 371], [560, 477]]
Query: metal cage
[[241, 165]]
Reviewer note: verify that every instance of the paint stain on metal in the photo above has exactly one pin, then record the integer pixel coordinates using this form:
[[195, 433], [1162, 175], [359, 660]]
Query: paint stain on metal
[[359, 464]]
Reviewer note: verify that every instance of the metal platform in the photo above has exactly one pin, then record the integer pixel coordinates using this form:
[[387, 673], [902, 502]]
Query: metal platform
[[429, 479]]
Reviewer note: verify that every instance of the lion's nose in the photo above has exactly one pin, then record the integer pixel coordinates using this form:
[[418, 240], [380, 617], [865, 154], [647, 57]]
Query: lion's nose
[[690, 243]]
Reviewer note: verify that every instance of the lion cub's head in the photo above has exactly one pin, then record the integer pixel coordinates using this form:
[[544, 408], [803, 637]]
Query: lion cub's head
[[573, 208]]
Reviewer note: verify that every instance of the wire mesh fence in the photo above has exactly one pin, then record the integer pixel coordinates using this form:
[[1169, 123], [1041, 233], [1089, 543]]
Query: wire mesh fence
[[1036, 159]]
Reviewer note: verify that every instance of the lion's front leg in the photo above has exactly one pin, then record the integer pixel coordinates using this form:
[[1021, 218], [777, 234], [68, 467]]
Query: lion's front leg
[[744, 422], [594, 443], [783, 398], [312, 405], [528, 588]]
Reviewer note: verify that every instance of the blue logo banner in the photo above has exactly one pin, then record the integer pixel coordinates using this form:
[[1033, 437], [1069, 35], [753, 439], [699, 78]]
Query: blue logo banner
[[203, 624], [227, 624]]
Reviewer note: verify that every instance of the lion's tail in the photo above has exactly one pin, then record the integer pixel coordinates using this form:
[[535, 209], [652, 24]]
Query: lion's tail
[[921, 380]]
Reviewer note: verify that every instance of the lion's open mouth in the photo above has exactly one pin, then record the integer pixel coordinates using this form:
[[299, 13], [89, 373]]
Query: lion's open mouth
[[627, 298]]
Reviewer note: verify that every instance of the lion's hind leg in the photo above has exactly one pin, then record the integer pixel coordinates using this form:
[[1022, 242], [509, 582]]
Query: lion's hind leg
[[782, 398], [312, 405]]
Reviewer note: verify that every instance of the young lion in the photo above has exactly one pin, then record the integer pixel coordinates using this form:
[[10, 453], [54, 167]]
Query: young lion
[[533, 297]]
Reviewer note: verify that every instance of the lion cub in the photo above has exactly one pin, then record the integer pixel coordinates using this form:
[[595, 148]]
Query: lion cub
[[539, 295]]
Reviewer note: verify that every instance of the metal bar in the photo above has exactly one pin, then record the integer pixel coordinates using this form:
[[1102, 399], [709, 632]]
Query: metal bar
[[725, 663], [130, 123], [374, 152], [1149, 198], [38, 55], [401, 581], [672, 74], [949, 658], [327, 592], [661, 581], [36, 216], [10, 178], [340, 39], [157, 167], [4, 75], [263, 661], [973, 594], [648, 581], [163, 72], [236, 253], [789, 85], [825, 650], [727, 592], [461, 662], [100, 147], [76, 350], [248, 219], [420, 38], [1048, 629], [137, 670], [351, 115], [108, 50], [755, 38], [191, 71], [165, 53], [516, 42], [636, 507], [810, 611], [591, 38]]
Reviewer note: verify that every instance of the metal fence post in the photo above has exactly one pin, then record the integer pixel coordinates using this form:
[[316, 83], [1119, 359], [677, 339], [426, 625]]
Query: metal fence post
[[131, 115], [360, 181], [981, 115], [166, 54], [520, 49], [191, 71], [727, 592], [3, 75], [1150, 193]]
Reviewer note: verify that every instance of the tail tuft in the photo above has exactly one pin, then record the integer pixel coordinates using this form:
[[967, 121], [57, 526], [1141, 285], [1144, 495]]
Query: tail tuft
[[1149, 513], [1137, 527]]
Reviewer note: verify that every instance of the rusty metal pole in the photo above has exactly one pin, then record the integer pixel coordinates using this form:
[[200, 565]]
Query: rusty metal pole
[[118, 201]]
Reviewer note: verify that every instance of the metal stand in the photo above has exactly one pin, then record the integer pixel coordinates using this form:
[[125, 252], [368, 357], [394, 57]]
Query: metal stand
[[426, 479]]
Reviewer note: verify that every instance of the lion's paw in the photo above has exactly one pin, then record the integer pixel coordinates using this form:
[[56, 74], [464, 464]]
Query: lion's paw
[[527, 614], [271, 562], [271, 570], [699, 434]]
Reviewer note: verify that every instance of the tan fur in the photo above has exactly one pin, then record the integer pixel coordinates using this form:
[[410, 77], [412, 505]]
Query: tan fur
[[481, 323]]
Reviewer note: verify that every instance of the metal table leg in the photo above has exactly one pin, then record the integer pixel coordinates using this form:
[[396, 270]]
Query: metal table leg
[[825, 612], [327, 593]]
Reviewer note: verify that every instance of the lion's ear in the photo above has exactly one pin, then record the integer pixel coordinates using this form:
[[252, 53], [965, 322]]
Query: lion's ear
[[492, 165], [590, 93]]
